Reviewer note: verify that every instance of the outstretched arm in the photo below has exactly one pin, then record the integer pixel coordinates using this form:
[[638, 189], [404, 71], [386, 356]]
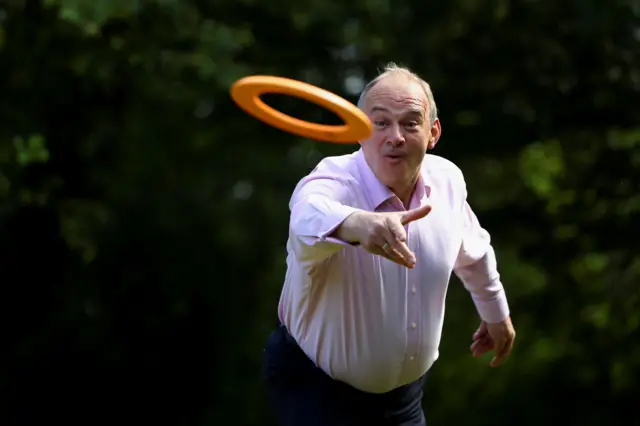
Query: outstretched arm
[[476, 267], [318, 206]]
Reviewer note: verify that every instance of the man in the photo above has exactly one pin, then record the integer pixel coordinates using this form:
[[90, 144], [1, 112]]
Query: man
[[373, 239]]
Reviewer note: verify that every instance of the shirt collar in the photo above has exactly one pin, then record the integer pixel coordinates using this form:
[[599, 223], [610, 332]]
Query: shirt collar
[[378, 192]]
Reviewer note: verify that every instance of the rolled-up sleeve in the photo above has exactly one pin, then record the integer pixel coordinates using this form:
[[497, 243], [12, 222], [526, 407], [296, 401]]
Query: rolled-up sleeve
[[318, 206], [476, 266]]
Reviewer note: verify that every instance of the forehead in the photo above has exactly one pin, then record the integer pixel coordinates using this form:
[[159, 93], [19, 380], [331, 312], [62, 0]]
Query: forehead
[[397, 95]]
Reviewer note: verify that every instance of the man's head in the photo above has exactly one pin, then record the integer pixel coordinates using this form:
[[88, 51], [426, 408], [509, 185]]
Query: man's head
[[405, 123]]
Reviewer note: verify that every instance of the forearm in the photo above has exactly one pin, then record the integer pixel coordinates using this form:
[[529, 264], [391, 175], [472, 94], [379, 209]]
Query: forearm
[[482, 280], [318, 219], [347, 231], [317, 226]]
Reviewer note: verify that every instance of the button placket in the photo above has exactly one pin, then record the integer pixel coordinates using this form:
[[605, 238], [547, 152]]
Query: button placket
[[413, 303]]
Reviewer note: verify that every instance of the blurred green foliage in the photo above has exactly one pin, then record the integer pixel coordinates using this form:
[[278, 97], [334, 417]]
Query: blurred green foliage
[[144, 216]]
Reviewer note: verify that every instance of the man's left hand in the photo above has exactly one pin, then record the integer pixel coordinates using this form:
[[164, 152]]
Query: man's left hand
[[497, 337]]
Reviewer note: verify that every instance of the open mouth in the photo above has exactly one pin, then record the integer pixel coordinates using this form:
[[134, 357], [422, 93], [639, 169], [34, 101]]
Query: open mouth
[[395, 156]]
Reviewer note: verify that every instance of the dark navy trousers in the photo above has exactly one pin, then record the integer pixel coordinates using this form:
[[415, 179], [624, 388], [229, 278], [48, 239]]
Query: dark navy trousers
[[301, 394]]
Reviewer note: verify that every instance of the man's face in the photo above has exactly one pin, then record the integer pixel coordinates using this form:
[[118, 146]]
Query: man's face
[[399, 112]]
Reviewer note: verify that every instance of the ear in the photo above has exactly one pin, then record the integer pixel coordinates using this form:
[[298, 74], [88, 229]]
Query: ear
[[434, 134]]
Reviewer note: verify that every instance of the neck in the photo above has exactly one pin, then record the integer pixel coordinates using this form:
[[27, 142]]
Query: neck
[[405, 192]]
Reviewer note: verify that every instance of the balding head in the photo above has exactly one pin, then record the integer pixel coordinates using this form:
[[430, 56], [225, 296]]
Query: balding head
[[395, 72]]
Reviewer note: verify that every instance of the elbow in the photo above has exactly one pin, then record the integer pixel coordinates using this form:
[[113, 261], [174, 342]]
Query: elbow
[[300, 222]]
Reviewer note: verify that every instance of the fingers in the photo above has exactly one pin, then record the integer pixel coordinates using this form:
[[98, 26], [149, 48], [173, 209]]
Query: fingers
[[415, 214], [398, 235], [482, 341], [482, 330], [406, 253], [397, 245], [481, 346], [385, 245], [391, 254]]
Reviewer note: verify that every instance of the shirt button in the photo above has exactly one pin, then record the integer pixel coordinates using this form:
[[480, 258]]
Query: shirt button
[[414, 325], [411, 358], [413, 290]]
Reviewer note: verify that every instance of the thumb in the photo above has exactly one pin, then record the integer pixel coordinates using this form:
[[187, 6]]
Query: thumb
[[415, 214], [498, 350]]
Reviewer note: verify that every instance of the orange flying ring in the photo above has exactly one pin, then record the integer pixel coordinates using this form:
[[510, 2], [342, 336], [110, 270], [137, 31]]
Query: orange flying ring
[[246, 93]]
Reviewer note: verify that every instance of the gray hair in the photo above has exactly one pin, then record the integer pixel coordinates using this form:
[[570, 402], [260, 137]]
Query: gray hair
[[392, 69]]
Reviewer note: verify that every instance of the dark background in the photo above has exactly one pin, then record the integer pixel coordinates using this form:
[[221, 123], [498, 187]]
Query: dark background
[[144, 215]]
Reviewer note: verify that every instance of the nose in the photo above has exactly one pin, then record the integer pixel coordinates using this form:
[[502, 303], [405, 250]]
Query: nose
[[395, 136]]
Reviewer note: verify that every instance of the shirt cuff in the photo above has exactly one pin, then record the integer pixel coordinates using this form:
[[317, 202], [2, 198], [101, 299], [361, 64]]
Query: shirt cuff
[[495, 310]]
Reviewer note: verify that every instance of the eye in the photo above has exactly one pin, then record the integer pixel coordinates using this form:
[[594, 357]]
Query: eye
[[412, 124], [380, 123]]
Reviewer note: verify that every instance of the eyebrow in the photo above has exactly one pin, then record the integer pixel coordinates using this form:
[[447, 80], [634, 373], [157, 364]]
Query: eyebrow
[[412, 111]]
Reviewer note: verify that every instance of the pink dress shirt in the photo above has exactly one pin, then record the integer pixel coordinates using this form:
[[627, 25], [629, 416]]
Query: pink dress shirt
[[361, 318]]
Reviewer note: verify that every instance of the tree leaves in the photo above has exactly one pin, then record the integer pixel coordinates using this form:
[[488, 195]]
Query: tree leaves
[[121, 145]]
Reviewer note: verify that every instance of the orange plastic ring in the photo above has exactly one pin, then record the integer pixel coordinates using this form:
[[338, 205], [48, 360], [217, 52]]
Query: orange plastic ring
[[246, 93]]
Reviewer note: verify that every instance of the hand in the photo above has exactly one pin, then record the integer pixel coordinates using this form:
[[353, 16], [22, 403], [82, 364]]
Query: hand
[[497, 337], [383, 233]]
